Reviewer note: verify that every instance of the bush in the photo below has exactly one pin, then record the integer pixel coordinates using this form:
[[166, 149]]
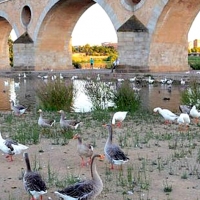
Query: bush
[[194, 62], [191, 96], [126, 99], [55, 95], [99, 94]]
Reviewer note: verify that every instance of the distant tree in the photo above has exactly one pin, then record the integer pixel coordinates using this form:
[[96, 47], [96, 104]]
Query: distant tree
[[10, 44]]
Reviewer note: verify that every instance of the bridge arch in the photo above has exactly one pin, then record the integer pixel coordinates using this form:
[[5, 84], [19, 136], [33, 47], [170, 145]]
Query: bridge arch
[[53, 32], [5, 29], [169, 41]]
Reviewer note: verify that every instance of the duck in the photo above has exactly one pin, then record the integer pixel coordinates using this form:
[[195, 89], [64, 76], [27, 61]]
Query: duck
[[84, 150], [132, 79], [6, 83], [183, 120], [87, 189], [169, 81], [67, 124], [150, 81], [119, 117], [113, 152], [98, 77], [61, 76], [11, 147], [74, 77], [182, 81], [32, 181], [120, 79], [163, 81], [17, 84], [42, 122], [17, 109], [194, 113], [185, 109], [166, 114]]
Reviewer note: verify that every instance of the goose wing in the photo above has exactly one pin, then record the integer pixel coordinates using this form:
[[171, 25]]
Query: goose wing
[[33, 182], [116, 153], [79, 190]]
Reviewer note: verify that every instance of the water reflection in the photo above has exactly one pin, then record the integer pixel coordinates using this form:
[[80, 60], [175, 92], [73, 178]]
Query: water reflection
[[22, 91]]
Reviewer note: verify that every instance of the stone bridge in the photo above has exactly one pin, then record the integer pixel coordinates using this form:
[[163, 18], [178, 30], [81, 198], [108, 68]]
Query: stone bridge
[[152, 34]]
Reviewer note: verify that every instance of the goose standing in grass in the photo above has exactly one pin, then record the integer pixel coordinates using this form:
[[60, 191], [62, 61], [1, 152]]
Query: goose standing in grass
[[11, 147], [67, 124], [17, 109], [119, 117], [84, 150], [88, 189], [113, 152], [33, 182], [45, 122], [183, 120], [166, 114], [194, 113]]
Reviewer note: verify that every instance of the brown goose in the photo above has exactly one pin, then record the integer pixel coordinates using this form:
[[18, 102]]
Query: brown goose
[[45, 122], [33, 182], [112, 151], [17, 109], [84, 150], [88, 189], [67, 124]]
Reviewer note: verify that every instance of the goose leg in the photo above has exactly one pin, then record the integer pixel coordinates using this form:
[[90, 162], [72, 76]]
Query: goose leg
[[119, 124], [82, 162], [9, 156], [112, 166]]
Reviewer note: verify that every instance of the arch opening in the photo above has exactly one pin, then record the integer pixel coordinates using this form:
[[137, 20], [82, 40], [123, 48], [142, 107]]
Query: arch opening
[[169, 42], [54, 39], [5, 30]]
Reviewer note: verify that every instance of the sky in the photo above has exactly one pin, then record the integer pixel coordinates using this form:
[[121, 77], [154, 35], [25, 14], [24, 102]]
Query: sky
[[95, 27]]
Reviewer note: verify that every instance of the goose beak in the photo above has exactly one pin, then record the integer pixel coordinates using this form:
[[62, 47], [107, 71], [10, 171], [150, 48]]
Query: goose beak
[[101, 158]]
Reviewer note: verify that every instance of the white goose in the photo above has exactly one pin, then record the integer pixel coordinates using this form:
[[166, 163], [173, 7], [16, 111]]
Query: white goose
[[33, 182], [195, 113], [183, 120], [113, 152], [119, 117], [88, 189], [11, 147], [166, 114]]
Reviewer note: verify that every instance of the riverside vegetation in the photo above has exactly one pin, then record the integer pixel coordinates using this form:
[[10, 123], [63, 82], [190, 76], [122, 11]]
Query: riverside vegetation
[[164, 162]]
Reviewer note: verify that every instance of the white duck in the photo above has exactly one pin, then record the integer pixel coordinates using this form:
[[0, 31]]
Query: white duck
[[150, 81], [166, 114], [84, 150], [182, 82], [33, 182], [113, 152], [45, 122], [88, 189], [119, 117], [195, 113], [98, 77], [11, 147], [183, 120]]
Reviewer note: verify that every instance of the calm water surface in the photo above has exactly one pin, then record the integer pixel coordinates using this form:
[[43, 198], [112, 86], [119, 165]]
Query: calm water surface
[[22, 91]]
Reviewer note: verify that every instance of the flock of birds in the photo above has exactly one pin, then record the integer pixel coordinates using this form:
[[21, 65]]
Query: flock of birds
[[87, 189], [183, 119]]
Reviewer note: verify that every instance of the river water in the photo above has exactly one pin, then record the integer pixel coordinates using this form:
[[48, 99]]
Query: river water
[[22, 91]]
